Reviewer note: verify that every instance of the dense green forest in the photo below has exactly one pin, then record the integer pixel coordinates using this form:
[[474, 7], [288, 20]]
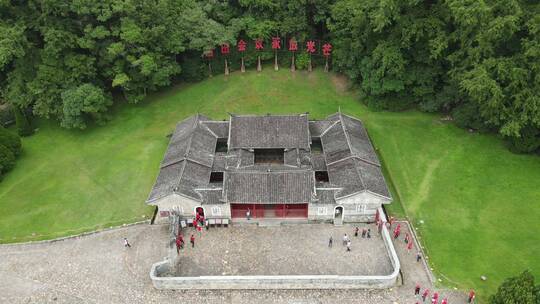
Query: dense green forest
[[476, 60]]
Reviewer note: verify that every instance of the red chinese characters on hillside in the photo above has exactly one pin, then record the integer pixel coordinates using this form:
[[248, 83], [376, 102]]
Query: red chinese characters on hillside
[[225, 49], [327, 49], [276, 43], [241, 45], [310, 46], [293, 45], [259, 44]]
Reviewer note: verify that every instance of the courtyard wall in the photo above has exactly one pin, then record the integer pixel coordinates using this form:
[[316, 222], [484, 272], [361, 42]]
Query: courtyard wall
[[160, 280]]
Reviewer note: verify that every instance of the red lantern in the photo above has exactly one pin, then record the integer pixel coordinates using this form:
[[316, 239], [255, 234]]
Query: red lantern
[[225, 49], [310, 46], [276, 43], [241, 46], [259, 44], [327, 49], [293, 45]]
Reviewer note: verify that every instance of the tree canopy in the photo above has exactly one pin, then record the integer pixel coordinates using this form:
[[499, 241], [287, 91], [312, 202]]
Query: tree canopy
[[478, 61]]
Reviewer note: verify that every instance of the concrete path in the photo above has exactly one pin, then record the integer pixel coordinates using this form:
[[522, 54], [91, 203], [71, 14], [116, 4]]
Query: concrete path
[[98, 269]]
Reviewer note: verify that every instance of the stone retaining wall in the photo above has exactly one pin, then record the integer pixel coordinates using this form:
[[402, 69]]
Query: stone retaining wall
[[279, 281]]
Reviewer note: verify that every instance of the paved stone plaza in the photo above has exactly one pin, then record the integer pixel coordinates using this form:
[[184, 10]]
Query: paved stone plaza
[[98, 269], [283, 250]]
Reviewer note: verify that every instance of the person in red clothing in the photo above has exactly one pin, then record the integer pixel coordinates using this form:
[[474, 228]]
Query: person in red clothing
[[397, 231], [417, 289], [425, 294], [435, 298], [179, 243], [472, 295], [192, 241], [195, 221], [444, 301], [409, 246]]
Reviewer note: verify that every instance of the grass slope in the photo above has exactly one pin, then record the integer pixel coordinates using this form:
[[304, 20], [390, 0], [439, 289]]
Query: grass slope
[[477, 200]]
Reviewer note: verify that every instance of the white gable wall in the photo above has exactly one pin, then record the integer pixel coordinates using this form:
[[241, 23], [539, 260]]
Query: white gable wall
[[361, 207]]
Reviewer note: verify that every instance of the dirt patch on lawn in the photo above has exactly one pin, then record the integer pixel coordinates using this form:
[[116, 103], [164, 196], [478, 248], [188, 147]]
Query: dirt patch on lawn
[[341, 82]]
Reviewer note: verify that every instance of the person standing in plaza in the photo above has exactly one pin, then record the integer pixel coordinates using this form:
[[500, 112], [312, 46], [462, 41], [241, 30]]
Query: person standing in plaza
[[424, 295], [364, 231], [345, 239], [330, 241], [435, 298], [472, 295], [397, 231], [178, 244], [180, 241], [417, 289], [126, 243], [444, 301], [356, 231], [349, 245], [192, 241], [248, 214], [368, 235], [418, 257]]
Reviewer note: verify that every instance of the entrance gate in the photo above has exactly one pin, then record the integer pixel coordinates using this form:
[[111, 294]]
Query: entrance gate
[[270, 210]]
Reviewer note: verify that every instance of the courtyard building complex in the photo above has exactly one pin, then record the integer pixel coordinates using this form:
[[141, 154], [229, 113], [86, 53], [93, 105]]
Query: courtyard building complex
[[282, 167]]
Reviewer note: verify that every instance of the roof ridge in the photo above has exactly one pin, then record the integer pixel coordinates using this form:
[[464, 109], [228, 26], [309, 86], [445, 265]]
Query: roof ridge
[[193, 127], [360, 176], [346, 133], [201, 123]]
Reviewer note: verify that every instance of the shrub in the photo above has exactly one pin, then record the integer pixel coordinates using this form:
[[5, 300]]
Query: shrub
[[194, 67], [24, 128], [302, 61], [518, 289], [6, 115], [7, 159], [10, 140], [467, 116], [529, 140]]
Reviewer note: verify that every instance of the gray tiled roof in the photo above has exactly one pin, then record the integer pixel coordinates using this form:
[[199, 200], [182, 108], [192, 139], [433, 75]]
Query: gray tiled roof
[[345, 174], [291, 157], [212, 196], [347, 155], [317, 127], [319, 163], [271, 131], [325, 196], [220, 128], [220, 160], [335, 144], [268, 187], [373, 178]]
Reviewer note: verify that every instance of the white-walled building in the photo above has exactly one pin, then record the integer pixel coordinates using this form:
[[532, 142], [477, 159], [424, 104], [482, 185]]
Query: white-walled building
[[277, 166]]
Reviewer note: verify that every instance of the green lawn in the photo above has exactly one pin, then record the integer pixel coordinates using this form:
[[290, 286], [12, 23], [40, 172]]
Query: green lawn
[[479, 202]]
